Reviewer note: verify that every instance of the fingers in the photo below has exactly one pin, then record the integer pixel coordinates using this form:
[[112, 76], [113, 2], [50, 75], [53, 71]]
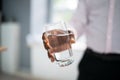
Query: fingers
[[48, 47], [51, 56], [72, 37], [46, 41], [51, 50]]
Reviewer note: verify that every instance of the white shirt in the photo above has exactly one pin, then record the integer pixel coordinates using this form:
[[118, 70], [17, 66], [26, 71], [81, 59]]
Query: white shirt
[[91, 17]]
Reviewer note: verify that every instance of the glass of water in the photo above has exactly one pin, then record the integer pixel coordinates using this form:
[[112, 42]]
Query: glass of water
[[59, 39]]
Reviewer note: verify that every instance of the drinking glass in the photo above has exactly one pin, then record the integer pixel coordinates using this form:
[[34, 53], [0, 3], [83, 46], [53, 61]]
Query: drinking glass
[[59, 40]]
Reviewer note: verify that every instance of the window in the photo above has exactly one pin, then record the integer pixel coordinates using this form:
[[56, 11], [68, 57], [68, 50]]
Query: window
[[62, 9]]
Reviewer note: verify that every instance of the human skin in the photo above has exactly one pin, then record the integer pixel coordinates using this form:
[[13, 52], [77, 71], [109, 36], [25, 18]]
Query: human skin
[[51, 50]]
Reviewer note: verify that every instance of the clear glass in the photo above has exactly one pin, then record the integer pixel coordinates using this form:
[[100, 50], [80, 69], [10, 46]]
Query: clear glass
[[59, 40]]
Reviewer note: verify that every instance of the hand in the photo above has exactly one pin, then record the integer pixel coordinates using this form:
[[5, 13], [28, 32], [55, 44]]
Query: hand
[[51, 50], [47, 47], [72, 36]]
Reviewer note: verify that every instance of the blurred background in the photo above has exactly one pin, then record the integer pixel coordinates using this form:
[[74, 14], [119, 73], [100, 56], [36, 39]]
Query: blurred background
[[21, 28]]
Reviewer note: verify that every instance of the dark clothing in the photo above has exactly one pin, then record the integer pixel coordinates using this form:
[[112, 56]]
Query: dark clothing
[[98, 66]]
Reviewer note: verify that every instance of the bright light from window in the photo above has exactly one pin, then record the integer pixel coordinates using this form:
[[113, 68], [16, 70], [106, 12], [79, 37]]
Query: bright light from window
[[63, 9], [71, 4]]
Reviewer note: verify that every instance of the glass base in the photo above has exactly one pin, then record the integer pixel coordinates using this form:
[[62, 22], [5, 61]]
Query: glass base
[[63, 63]]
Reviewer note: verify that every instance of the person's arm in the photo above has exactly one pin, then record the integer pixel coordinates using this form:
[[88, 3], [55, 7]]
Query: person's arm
[[78, 23], [79, 19]]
